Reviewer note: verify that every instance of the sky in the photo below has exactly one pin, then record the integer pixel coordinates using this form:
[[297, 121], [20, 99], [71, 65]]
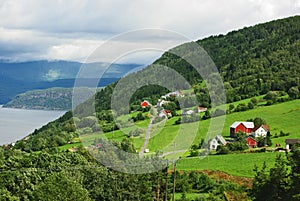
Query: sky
[[74, 29]]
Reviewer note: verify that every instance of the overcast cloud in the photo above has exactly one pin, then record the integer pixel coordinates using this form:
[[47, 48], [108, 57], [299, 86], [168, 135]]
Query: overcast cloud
[[72, 29]]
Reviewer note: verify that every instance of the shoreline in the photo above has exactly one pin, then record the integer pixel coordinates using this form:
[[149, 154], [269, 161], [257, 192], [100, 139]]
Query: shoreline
[[35, 109]]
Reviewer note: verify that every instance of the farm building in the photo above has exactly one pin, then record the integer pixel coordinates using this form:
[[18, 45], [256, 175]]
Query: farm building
[[202, 109], [260, 131], [216, 141], [245, 127], [174, 94], [161, 102], [145, 104], [251, 142], [165, 113], [188, 112], [290, 142]]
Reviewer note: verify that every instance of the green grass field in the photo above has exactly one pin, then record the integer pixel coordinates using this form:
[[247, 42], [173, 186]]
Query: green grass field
[[246, 101], [190, 196], [234, 164], [281, 117]]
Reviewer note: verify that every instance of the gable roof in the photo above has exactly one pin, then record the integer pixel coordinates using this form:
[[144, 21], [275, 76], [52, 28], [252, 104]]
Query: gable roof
[[222, 140], [145, 103], [265, 126], [292, 141], [245, 123], [202, 109], [252, 138]]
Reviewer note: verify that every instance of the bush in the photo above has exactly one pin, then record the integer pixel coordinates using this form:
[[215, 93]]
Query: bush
[[194, 153], [241, 107], [221, 149], [237, 146]]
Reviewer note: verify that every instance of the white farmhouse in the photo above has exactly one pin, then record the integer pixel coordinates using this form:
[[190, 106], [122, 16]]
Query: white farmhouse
[[189, 112], [260, 131], [216, 141]]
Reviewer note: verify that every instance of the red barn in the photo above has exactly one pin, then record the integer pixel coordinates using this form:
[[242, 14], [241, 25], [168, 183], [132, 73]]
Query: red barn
[[251, 142], [245, 127], [145, 104]]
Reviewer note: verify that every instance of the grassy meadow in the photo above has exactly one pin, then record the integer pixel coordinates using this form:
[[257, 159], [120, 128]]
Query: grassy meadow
[[233, 164]]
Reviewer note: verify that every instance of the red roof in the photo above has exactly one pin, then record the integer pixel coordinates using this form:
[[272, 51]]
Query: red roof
[[167, 111], [251, 141], [145, 104]]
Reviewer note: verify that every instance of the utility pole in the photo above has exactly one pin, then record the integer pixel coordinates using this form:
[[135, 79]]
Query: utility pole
[[167, 181], [174, 180], [158, 189]]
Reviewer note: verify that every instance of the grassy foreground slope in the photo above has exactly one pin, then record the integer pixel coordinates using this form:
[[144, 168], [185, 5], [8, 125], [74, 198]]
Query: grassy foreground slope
[[281, 117], [233, 164]]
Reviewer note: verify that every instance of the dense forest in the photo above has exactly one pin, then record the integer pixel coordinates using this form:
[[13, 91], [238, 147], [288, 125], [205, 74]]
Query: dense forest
[[55, 175], [262, 59], [252, 61]]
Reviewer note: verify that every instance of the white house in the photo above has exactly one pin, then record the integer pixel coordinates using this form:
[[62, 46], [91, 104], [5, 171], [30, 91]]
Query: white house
[[202, 109], [216, 141], [189, 112], [290, 142], [161, 102], [260, 131], [175, 93], [165, 113]]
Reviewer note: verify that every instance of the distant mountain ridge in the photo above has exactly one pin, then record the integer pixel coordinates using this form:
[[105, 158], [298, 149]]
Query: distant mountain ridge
[[16, 78], [47, 99]]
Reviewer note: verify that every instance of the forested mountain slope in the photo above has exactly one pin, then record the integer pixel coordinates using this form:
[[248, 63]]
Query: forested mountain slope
[[252, 60]]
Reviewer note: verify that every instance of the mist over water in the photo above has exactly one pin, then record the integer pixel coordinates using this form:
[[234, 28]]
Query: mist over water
[[18, 123]]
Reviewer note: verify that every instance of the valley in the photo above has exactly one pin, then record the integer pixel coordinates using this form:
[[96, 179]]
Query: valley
[[72, 156]]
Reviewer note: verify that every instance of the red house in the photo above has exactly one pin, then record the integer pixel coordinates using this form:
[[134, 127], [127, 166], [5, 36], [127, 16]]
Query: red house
[[145, 104], [245, 127], [251, 142]]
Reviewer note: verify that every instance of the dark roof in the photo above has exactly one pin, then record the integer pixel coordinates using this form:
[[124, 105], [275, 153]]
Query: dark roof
[[292, 141], [265, 126]]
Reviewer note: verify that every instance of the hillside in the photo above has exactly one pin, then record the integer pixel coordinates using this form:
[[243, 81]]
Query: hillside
[[252, 61], [260, 61], [47, 99], [281, 75]]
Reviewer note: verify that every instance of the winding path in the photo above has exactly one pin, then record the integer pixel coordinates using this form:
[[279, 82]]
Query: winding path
[[148, 133]]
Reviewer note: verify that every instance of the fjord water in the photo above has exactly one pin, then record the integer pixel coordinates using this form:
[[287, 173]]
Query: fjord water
[[18, 123]]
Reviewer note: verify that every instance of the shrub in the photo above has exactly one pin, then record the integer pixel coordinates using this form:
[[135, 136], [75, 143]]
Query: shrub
[[221, 149]]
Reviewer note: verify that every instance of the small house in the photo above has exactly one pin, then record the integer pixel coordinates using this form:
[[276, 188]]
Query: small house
[[260, 131], [174, 94], [161, 102], [244, 127], [202, 109], [251, 142], [188, 112], [145, 104], [216, 141], [290, 142], [165, 113]]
